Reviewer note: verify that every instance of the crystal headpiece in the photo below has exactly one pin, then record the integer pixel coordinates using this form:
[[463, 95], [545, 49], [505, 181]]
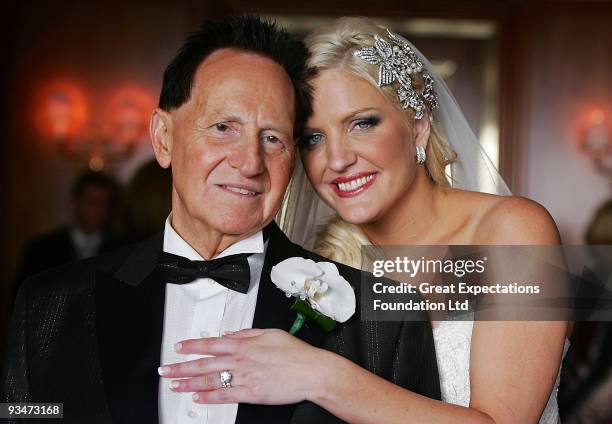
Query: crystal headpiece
[[398, 62]]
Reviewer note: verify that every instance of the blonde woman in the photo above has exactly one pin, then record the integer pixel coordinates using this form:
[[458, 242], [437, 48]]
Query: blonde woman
[[375, 158]]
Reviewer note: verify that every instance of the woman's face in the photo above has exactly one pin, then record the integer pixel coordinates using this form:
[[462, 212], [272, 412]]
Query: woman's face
[[358, 149]]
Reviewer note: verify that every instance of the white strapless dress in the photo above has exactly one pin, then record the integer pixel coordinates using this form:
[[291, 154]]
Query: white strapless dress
[[453, 340]]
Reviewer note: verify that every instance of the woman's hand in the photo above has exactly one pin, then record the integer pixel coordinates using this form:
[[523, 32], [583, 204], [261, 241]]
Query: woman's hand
[[268, 366]]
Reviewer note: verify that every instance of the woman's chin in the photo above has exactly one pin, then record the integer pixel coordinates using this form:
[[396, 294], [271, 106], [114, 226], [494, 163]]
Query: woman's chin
[[359, 216]]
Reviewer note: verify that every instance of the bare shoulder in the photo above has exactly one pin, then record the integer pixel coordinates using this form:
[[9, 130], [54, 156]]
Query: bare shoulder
[[515, 220]]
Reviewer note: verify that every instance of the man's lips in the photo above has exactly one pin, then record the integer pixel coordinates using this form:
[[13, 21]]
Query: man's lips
[[240, 189], [353, 185]]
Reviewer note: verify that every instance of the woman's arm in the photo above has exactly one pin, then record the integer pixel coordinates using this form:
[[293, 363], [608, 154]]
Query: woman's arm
[[272, 367], [514, 364], [355, 395]]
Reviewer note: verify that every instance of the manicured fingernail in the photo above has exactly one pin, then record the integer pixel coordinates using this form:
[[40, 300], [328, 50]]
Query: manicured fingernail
[[178, 346], [174, 384], [163, 370], [195, 396]]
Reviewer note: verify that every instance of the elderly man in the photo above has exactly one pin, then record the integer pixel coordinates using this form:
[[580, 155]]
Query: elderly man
[[93, 334]]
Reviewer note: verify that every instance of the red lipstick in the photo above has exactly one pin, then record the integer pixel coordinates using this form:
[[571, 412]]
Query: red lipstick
[[354, 184]]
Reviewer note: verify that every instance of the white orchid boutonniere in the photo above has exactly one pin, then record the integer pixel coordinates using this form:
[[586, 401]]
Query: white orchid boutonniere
[[321, 293]]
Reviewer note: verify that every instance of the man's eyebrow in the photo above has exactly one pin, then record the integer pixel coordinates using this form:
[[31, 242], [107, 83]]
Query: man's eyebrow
[[280, 129], [219, 116], [224, 116]]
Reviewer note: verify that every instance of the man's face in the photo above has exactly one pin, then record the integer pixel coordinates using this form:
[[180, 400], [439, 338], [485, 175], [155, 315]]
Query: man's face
[[231, 144], [92, 208]]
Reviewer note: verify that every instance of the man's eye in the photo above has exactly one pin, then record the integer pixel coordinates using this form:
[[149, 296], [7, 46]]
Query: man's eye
[[223, 130], [272, 142]]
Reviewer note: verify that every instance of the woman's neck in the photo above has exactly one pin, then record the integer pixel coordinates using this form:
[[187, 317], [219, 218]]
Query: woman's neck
[[414, 219]]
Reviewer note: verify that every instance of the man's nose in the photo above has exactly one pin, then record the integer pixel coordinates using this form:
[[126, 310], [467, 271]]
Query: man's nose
[[340, 155], [248, 157]]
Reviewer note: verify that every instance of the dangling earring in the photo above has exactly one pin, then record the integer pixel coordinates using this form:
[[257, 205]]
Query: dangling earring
[[420, 155]]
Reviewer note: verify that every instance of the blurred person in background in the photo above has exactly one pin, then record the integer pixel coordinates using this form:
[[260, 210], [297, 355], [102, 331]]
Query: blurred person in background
[[94, 198], [148, 201], [585, 396], [600, 230]]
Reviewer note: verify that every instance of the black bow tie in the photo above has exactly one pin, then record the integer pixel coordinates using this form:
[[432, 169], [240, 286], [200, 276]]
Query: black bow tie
[[230, 271]]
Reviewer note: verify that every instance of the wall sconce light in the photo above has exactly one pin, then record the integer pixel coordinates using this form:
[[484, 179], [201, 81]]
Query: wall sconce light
[[61, 111], [595, 138], [96, 137]]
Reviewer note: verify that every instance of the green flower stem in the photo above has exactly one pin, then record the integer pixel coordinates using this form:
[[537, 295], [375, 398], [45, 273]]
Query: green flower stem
[[304, 311], [297, 324]]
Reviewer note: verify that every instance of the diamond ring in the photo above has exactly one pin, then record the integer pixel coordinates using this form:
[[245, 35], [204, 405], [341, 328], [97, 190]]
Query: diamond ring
[[226, 379]]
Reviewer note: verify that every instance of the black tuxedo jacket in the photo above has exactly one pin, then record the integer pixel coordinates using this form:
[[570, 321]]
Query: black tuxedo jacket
[[50, 250], [88, 335]]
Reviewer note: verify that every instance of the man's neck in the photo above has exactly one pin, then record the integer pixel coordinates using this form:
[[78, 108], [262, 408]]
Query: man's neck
[[205, 240]]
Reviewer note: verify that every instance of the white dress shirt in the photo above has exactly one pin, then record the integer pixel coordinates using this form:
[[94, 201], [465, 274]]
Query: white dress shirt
[[85, 245], [203, 308]]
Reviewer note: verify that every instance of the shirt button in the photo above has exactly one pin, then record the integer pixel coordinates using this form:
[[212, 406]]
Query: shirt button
[[192, 414], [204, 333]]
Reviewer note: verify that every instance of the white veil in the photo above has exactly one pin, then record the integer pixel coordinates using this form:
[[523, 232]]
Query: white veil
[[304, 214]]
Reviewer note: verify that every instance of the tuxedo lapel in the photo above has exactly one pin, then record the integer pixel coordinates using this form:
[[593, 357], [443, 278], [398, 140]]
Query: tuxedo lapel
[[273, 310], [129, 321]]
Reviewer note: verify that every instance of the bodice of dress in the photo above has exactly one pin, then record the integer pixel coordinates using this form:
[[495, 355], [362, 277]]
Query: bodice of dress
[[453, 340]]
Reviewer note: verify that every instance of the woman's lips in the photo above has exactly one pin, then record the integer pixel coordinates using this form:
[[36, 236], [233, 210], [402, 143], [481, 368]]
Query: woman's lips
[[353, 185]]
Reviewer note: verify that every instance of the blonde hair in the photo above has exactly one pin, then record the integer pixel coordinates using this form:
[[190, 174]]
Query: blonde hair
[[332, 47]]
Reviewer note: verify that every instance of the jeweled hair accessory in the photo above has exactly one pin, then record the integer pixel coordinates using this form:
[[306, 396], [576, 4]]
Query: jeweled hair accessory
[[398, 62]]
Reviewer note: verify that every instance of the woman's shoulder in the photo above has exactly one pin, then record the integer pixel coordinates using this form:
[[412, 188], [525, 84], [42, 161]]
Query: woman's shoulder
[[511, 220]]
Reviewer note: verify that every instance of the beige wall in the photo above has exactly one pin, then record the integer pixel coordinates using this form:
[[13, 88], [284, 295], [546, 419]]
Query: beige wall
[[99, 47], [571, 69]]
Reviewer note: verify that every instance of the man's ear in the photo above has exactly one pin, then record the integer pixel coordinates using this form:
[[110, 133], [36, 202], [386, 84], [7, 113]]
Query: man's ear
[[160, 130], [422, 129]]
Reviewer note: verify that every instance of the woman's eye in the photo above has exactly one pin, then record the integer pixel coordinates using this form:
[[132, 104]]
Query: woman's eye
[[221, 127], [314, 139], [364, 124]]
